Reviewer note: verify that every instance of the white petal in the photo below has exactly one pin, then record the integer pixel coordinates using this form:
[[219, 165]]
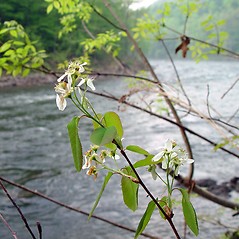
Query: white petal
[[61, 78], [61, 102], [81, 82], [90, 84], [81, 68], [87, 163], [169, 145], [176, 171], [117, 157], [158, 156], [165, 164], [69, 80], [190, 161]]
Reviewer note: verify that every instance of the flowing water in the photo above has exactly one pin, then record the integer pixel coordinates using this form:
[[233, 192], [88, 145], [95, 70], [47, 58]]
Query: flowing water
[[35, 152]]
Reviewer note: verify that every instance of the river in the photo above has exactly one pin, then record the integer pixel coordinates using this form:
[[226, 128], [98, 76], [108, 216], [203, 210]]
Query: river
[[35, 152]]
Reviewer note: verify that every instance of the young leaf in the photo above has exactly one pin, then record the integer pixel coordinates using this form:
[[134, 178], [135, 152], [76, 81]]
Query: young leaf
[[145, 219], [5, 46], [137, 149], [129, 190], [107, 178], [102, 136], [112, 119], [145, 162], [189, 212], [76, 147], [95, 124]]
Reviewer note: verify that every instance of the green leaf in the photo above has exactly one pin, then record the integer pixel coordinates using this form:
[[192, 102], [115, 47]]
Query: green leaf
[[112, 119], [145, 162], [49, 8], [145, 219], [137, 149], [56, 4], [129, 190], [107, 178], [5, 46], [76, 146], [13, 33], [102, 136], [3, 31], [25, 72], [95, 124], [189, 212]]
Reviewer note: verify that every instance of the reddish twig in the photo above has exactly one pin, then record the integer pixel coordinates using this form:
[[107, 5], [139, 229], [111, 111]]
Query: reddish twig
[[18, 209]]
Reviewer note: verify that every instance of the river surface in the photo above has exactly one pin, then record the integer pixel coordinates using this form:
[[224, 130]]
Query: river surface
[[35, 152]]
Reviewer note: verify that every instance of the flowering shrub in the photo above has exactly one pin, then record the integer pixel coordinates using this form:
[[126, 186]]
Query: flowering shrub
[[107, 143]]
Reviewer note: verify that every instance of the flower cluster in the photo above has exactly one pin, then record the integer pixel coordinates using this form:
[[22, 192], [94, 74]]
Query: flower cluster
[[66, 83], [94, 161], [172, 157]]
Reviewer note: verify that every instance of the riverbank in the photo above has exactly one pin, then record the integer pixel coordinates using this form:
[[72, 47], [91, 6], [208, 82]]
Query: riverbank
[[32, 79]]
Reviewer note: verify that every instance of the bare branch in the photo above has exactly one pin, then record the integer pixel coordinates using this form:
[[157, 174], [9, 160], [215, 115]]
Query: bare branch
[[230, 88], [8, 226], [19, 210], [35, 192]]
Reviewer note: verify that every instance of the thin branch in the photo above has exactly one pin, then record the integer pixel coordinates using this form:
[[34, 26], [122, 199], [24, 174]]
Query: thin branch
[[176, 72], [208, 195], [8, 226], [18, 209], [166, 119], [186, 19], [234, 114], [107, 19], [35, 192], [201, 41], [121, 75], [230, 88], [39, 228], [168, 218], [208, 108]]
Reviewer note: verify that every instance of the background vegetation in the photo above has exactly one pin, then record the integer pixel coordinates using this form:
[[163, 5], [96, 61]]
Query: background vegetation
[[44, 28]]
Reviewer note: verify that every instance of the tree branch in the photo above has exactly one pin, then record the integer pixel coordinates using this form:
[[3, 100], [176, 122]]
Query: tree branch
[[35, 192]]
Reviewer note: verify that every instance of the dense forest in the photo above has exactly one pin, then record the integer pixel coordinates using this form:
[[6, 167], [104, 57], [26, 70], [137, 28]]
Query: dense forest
[[62, 44]]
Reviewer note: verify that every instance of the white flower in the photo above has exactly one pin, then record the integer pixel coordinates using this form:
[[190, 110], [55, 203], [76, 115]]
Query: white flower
[[63, 90], [61, 102], [168, 148], [88, 82], [172, 157], [81, 67], [87, 163]]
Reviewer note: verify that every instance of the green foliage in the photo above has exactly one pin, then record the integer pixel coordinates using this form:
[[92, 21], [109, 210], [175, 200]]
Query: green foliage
[[137, 149], [108, 41], [103, 136], [145, 162], [75, 142], [231, 141], [129, 190], [18, 52], [112, 119], [145, 219], [189, 212], [106, 180], [147, 27]]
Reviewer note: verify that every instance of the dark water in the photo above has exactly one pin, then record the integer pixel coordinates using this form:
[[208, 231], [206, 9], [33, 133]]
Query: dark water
[[35, 152]]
